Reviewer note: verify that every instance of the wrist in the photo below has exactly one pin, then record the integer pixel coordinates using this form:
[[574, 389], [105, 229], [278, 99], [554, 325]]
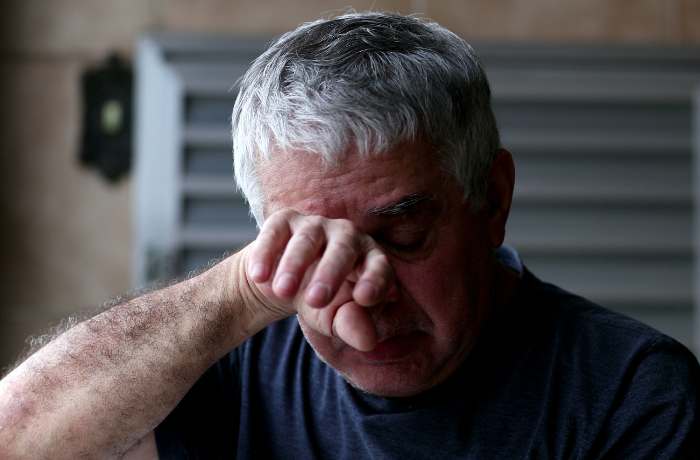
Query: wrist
[[243, 307], [258, 306]]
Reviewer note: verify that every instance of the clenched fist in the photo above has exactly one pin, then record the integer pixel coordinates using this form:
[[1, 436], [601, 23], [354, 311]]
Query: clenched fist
[[324, 270]]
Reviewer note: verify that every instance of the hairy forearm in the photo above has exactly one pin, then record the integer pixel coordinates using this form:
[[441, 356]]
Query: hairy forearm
[[108, 381]]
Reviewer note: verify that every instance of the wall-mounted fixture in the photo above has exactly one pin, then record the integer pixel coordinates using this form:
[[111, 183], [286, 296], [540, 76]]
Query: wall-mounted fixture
[[107, 118]]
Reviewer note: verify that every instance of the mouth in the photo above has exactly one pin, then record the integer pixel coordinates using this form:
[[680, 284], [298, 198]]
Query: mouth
[[395, 348]]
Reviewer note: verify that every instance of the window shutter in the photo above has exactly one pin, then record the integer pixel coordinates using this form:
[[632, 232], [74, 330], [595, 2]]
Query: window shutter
[[601, 137]]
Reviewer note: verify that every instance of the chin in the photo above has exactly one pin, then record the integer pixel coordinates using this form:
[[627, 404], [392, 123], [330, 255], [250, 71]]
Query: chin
[[390, 370], [389, 380]]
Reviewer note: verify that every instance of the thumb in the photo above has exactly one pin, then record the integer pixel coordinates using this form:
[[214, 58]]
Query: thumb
[[353, 325]]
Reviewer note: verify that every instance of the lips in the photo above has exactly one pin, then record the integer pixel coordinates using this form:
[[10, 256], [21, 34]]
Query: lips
[[395, 348]]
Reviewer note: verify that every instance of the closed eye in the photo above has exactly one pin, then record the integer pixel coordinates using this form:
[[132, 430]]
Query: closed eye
[[404, 243], [406, 247]]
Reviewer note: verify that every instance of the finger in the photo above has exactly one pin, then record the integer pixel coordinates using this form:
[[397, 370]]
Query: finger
[[376, 277], [303, 247], [353, 325], [337, 262], [321, 319], [268, 246]]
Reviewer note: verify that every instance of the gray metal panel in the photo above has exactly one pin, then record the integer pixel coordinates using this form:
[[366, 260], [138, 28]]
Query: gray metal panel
[[156, 164], [602, 141], [185, 136]]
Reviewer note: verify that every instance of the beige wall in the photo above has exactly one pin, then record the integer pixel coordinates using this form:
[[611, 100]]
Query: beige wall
[[67, 240]]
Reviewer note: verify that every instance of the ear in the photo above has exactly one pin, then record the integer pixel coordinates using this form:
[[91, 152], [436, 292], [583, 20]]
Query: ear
[[499, 196]]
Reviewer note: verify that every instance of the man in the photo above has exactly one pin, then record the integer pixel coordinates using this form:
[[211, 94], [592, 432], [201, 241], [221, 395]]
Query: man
[[369, 154]]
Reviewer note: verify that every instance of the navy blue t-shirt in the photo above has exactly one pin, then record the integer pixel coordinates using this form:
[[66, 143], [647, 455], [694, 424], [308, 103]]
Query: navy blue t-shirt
[[551, 376]]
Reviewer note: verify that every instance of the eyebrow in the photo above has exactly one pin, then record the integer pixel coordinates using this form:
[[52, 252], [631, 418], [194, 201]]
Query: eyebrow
[[402, 206]]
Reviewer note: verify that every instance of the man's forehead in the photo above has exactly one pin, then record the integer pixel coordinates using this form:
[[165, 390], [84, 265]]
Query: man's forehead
[[352, 203], [381, 184], [387, 206]]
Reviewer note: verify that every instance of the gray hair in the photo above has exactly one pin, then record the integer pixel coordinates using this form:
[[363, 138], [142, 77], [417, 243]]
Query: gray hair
[[365, 81]]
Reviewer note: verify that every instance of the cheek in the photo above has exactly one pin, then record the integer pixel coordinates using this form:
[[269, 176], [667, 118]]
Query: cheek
[[449, 284]]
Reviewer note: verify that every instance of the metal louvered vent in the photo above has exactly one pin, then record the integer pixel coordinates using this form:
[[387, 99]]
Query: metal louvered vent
[[601, 138]]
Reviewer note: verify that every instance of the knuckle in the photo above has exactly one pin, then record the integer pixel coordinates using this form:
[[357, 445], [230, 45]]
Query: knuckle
[[313, 221], [349, 237], [287, 213], [375, 277], [279, 216], [380, 259], [344, 226], [344, 248], [310, 225], [271, 233], [306, 239]]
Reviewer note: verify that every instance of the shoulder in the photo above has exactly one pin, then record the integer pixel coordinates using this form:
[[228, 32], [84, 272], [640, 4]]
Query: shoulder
[[579, 322], [605, 340], [639, 385]]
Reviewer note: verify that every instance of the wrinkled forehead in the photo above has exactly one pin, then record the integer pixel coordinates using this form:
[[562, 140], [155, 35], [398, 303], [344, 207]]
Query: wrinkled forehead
[[352, 185]]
